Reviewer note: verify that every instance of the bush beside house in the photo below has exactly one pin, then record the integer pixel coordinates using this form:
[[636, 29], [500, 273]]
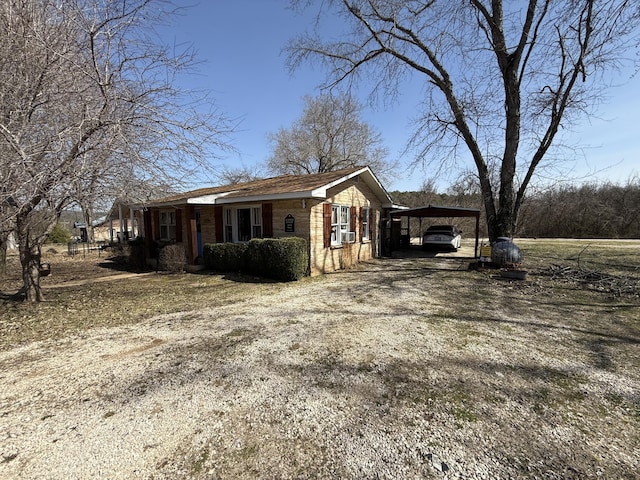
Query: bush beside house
[[225, 257], [284, 259], [172, 258]]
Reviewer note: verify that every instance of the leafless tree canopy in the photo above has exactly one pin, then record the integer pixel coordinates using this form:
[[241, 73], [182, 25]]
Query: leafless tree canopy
[[89, 105], [234, 175], [330, 135], [590, 210], [501, 78]]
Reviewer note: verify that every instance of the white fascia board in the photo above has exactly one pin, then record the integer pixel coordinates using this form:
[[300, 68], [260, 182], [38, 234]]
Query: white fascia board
[[262, 198], [208, 199], [341, 180], [368, 177], [319, 192]]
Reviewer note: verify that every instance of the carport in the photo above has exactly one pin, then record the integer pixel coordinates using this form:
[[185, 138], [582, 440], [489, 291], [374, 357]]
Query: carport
[[397, 233]]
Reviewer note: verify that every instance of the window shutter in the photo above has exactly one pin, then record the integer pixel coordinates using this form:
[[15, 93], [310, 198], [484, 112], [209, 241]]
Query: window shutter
[[218, 221], [178, 225], [352, 220], [326, 224], [361, 217], [267, 220], [372, 215], [156, 224]]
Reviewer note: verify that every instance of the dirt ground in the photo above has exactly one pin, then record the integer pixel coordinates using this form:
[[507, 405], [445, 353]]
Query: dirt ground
[[401, 368]]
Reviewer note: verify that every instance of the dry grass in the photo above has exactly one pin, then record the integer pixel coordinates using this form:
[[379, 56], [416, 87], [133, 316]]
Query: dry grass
[[75, 303], [616, 257], [373, 371]]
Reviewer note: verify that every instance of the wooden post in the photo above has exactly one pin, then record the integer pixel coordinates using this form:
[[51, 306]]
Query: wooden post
[[475, 252]]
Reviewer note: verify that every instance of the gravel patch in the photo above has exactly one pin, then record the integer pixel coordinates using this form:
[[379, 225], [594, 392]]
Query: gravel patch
[[374, 373]]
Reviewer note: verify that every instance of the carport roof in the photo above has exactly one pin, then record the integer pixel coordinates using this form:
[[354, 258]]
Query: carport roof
[[434, 211]]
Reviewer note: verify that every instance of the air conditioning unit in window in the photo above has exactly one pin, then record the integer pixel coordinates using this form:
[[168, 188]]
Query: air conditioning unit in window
[[348, 237]]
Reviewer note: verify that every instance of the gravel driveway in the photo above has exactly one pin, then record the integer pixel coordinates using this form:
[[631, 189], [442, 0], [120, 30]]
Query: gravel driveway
[[372, 373]]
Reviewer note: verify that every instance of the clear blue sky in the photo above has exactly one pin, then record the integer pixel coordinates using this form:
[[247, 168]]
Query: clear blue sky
[[240, 43]]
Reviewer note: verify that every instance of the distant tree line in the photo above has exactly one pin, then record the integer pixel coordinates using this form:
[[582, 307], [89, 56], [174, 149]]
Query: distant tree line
[[591, 210], [585, 211]]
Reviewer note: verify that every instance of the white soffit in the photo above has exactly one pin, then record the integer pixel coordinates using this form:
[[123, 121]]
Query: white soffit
[[208, 199]]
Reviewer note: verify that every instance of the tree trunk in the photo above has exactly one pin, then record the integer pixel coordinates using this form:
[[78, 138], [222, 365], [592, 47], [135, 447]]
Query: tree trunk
[[30, 256], [4, 243], [87, 214], [503, 223]]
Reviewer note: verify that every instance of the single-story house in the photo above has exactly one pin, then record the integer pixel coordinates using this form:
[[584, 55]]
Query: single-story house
[[108, 229], [123, 222], [338, 213]]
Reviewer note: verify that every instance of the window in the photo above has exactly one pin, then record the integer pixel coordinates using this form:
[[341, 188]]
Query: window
[[256, 222], [365, 224], [242, 224], [228, 225], [340, 224], [168, 226]]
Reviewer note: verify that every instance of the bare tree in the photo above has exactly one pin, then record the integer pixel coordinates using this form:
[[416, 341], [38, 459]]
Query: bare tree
[[232, 176], [330, 135], [87, 95], [501, 78]]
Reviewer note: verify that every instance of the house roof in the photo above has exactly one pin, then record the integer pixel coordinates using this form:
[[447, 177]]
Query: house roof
[[283, 187]]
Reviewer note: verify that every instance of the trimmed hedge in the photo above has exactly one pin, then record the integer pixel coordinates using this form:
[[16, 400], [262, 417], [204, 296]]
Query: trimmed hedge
[[225, 257], [284, 259], [281, 259]]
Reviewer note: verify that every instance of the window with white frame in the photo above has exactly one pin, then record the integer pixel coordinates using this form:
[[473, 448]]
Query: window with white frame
[[365, 223], [242, 224], [256, 222], [168, 225], [228, 225], [340, 216]]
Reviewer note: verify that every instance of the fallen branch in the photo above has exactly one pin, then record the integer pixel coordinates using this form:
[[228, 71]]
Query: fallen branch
[[595, 280]]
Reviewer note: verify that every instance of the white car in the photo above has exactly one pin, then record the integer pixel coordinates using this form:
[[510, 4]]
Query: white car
[[442, 237]]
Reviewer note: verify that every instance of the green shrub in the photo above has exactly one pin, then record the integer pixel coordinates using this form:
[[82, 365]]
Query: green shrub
[[59, 235], [225, 257], [282, 259]]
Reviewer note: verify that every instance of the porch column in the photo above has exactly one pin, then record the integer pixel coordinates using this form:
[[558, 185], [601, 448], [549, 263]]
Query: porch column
[[121, 223], [133, 235]]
